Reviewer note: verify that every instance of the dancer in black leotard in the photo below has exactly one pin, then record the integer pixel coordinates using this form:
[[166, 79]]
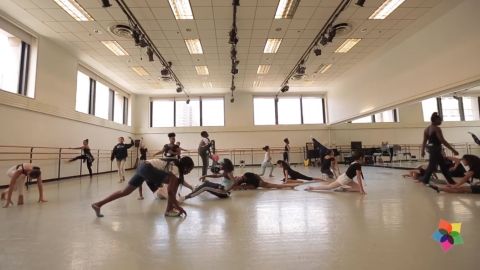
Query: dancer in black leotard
[[86, 156], [473, 162], [433, 134], [286, 151], [291, 176]]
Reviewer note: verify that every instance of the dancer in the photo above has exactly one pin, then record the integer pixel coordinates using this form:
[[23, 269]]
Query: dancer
[[204, 151], [329, 164], [86, 156], [120, 153], [418, 173], [253, 181], [267, 161], [179, 150], [291, 176], [17, 175], [286, 151], [455, 167], [475, 138], [155, 172], [345, 180], [433, 134], [219, 190], [169, 150], [473, 162], [143, 158]]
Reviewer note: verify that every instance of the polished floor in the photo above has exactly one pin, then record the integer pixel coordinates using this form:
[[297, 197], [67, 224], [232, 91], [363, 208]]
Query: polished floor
[[389, 228]]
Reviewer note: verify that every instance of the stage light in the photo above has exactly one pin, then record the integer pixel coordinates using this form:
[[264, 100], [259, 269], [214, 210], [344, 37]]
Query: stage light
[[317, 52], [150, 54], [360, 3]]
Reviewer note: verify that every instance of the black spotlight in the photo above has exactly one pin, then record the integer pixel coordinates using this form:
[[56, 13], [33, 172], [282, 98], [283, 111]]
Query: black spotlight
[[188, 101], [179, 89], [233, 53], [136, 37], [323, 40], [360, 3], [317, 52], [331, 35], [232, 100], [165, 72], [150, 54], [284, 88], [236, 3], [106, 3], [233, 37], [233, 87], [234, 70], [143, 43]]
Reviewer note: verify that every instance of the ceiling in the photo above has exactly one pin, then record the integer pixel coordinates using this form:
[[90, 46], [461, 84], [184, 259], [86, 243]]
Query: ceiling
[[213, 20]]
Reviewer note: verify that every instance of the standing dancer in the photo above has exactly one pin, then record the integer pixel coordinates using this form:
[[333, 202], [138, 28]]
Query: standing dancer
[[120, 153], [155, 172], [267, 161], [291, 176], [169, 150], [86, 156], [204, 151], [143, 158], [286, 151], [17, 175], [433, 134], [345, 180]]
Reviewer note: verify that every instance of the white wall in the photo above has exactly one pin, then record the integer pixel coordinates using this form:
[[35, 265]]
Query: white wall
[[440, 56]]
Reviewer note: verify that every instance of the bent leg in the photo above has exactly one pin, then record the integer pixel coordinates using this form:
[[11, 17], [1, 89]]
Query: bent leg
[[265, 184], [116, 195]]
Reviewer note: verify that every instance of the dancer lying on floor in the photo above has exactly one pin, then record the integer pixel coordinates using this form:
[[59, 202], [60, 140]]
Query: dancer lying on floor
[[473, 162], [253, 181], [292, 176], [155, 172], [345, 180], [418, 173]]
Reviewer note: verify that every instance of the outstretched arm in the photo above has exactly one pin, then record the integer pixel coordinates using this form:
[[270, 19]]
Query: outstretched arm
[[130, 144], [360, 181], [424, 142], [439, 134]]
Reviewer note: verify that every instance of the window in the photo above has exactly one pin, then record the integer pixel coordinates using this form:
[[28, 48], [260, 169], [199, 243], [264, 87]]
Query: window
[[366, 119], [289, 111], [470, 107], [386, 117], [187, 115], [312, 110], [118, 115], [450, 109], [264, 111], [162, 113], [82, 103], [14, 64], [429, 106], [101, 100], [213, 112]]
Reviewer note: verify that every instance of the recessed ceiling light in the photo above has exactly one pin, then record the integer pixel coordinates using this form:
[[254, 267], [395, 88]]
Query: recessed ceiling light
[[194, 46], [385, 9], [75, 10], [181, 9], [263, 69], [286, 9], [140, 71], [257, 83], [347, 45], [202, 70], [207, 84], [325, 68], [115, 48], [272, 45]]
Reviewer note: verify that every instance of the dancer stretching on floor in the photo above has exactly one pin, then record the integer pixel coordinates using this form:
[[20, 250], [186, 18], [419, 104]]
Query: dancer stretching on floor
[[220, 190], [473, 162], [18, 175], [291, 176], [253, 181], [155, 172], [329, 164], [345, 180]]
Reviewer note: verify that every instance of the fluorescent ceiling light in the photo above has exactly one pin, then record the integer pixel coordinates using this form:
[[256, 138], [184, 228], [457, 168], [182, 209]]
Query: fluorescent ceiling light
[[385, 9], [347, 45], [202, 70], [263, 69], [181, 9], [194, 46], [286, 9], [325, 68], [207, 84], [257, 83], [75, 10], [272, 45], [115, 48], [140, 71]]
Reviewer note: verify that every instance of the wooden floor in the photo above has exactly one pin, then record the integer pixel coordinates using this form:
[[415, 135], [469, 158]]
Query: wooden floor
[[389, 228]]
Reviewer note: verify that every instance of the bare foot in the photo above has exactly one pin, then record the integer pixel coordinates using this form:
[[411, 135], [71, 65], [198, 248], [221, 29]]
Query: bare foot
[[140, 198], [96, 208], [42, 201]]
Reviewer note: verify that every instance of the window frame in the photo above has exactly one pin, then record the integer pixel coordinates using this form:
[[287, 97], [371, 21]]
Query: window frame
[[461, 107]]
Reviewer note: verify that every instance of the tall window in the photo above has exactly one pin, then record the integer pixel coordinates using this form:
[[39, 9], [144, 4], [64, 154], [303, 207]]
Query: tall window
[[289, 111], [450, 109], [213, 112], [187, 115], [366, 119], [470, 107], [14, 55], [312, 110], [82, 103], [264, 111], [389, 116], [429, 106], [101, 100], [118, 109], [162, 113]]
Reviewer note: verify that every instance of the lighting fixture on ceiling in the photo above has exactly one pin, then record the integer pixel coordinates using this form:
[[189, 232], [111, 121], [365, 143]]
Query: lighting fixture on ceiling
[[263, 69], [257, 83], [317, 51], [207, 84], [188, 101], [75, 10], [115, 48], [181, 9], [140, 71], [272, 45], [299, 71], [324, 68], [233, 36], [234, 70], [385, 9], [360, 3], [106, 3], [202, 70], [179, 89], [150, 54], [194, 46], [286, 9], [232, 100], [347, 45], [284, 88], [232, 88], [331, 34]]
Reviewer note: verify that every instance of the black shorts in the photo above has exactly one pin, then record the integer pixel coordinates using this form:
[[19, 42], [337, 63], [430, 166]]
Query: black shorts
[[475, 189], [147, 173]]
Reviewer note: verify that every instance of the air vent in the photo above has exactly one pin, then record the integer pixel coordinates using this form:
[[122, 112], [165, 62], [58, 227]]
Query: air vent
[[121, 30]]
